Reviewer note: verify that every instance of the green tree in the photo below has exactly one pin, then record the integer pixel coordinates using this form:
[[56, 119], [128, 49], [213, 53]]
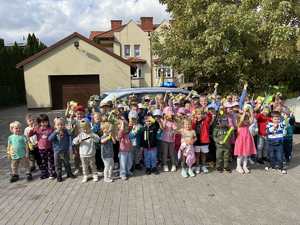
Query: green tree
[[229, 41]]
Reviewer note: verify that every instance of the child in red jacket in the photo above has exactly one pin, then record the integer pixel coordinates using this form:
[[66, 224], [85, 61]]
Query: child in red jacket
[[262, 120], [201, 124]]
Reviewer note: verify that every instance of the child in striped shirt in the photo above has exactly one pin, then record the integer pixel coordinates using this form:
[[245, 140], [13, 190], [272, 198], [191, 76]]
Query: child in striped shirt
[[275, 136]]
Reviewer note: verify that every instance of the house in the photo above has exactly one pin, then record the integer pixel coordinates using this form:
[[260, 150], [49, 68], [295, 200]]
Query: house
[[132, 42], [74, 68]]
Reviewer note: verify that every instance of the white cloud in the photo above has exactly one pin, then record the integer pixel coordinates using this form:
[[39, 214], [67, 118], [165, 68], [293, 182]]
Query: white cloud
[[52, 20]]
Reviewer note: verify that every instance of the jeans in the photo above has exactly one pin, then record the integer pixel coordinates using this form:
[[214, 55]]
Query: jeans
[[287, 149], [262, 147], [150, 157], [276, 155], [62, 157], [125, 159]]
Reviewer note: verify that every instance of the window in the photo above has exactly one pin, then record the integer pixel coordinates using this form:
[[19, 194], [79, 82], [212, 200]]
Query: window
[[138, 72], [126, 50], [165, 71], [137, 50]]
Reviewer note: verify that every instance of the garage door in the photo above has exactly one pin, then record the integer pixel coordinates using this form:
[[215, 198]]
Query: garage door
[[73, 87]]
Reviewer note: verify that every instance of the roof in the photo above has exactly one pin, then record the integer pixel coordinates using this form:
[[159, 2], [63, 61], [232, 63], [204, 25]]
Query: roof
[[110, 33], [61, 42], [136, 60]]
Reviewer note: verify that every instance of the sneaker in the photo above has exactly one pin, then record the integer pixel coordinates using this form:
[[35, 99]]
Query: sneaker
[[44, 177], [260, 161], [166, 169], [240, 170], [59, 179], [84, 179], [29, 177], [100, 174], [76, 172], [220, 169], [148, 171], [227, 169], [95, 177], [124, 178], [51, 178], [204, 169], [14, 178], [267, 168], [246, 170], [108, 180], [198, 169], [283, 172], [191, 172], [251, 161], [184, 173], [71, 175], [155, 171], [173, 169]]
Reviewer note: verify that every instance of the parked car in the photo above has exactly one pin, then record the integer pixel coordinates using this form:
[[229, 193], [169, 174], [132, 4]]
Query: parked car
[[122, 94], [294, 105]]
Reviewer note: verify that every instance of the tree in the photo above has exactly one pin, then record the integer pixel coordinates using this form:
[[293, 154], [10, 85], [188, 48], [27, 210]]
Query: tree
[[229, 41]]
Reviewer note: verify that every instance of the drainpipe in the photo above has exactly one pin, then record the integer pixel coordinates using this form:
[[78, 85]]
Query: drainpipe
[[151, 63]]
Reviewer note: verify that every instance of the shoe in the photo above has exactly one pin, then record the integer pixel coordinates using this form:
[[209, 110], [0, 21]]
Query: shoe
[[204, 169], [108, 180], [260, 161], [44, 177], [100, 174], [283, 172], [95, 177], [51, 178], [71, 175], [166, 169], [267, 168], [84, 179], [148, 171], [251, 161], [191, 172], [129, 174], [227, 169], [59, 179], [124, 178], [240, 170], [198, 169], [14, 178], [220, 169], [246, 170], [173, 169], [32, 169], [76, 172], [29, 177], [184, 173], [155, 171]]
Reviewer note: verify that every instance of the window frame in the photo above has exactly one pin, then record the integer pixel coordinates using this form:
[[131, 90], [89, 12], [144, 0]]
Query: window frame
[[134, 50], [125, 48]]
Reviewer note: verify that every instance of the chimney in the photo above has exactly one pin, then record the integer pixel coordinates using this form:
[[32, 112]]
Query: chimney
[[115, 24], [147, 23]]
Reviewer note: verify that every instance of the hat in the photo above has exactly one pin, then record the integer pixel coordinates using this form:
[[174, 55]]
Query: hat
[[147, 97], [79, 108], [168, 111], [121, 106], [132, 114], [182, 110], [84, 124], [141, 106]]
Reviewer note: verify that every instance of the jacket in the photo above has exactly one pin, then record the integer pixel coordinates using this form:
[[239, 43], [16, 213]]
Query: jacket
[[148, 137], [204, 129]]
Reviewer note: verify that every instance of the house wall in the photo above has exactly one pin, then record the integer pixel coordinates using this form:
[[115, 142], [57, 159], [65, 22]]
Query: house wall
[[67, 60], [130, 35]]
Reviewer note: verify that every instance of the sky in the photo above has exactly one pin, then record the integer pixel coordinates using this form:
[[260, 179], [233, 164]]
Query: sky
[[52, 20]]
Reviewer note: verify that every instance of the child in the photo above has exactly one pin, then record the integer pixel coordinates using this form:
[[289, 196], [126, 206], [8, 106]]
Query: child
[[223, 148], [107, 151], [275, 135], [45, 148], [186, 151], [87, 149], [125, 154], [148, 144], [262, 119], [288, 138], [34, 155], [62, 144], [169, 127], [96, 128], [244, 145], [135, 139], [201, 124], [17, 151]]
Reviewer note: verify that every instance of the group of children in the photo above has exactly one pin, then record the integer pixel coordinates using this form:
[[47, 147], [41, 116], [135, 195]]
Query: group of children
[[156, 131]]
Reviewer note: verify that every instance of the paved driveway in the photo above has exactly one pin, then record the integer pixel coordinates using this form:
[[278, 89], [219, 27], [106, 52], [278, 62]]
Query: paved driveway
[[258, 198]]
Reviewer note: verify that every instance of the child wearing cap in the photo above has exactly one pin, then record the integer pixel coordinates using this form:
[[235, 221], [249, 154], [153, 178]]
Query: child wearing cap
[[86, 141]]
